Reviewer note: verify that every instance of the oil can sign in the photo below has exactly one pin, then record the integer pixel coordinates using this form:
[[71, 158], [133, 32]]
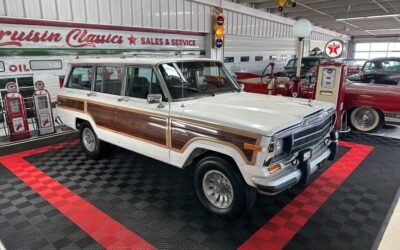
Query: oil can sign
[[45, 120], [18, 124], [334, 48]]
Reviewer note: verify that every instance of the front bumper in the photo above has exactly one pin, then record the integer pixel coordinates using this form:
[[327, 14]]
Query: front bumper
[[392, 118], [293, 174]]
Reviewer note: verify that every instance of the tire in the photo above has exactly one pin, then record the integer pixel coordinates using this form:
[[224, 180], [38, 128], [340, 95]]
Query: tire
[[280, 9], [90, 143], [243, 197], [294, 4], [366, 119]]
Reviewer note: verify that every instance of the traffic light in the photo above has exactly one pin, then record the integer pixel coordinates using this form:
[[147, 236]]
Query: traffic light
[[219, 29]]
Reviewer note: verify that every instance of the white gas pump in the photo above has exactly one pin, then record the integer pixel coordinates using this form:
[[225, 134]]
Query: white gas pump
[[330, 87], [44, 113]]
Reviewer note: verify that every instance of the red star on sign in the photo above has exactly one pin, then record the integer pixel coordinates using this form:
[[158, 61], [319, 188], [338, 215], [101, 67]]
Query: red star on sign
[[132, 40], [333, 48]]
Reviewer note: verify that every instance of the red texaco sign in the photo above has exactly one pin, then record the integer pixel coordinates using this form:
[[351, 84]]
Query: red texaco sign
[[334, 48], [30, 36]]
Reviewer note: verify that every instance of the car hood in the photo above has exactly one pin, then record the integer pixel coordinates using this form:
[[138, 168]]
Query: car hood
[[256, 113]]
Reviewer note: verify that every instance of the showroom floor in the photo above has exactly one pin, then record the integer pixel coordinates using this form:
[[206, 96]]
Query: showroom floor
[[55, 197]]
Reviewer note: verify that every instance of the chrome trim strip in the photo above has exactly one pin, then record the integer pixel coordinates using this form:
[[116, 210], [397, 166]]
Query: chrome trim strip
[[319, 131], [300, 127]]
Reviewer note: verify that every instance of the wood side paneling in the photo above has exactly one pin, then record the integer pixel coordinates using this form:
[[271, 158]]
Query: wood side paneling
[[69, 103], [155, 129], [103, 116], [183, 133], [144, 126]]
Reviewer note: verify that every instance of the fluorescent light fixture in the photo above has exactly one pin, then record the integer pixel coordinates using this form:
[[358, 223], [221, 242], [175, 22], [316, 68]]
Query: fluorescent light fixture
[[367, 17], [384, 30]]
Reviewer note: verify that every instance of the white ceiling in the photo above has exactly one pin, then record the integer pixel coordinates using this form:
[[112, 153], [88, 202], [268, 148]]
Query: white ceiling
[[356, 17]]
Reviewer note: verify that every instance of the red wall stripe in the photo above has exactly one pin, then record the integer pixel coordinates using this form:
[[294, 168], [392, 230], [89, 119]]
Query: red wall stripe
[[281, 228], [102, 228]]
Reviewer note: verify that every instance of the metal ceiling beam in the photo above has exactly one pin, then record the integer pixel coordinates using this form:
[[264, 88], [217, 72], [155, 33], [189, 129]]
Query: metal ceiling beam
[[315, 3]]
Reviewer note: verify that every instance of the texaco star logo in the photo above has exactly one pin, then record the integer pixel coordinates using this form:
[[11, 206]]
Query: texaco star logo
[[132, 40], [334, 48]]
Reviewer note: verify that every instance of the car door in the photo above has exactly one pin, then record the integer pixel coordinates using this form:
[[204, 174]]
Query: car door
[[103, 99], [142, 126]]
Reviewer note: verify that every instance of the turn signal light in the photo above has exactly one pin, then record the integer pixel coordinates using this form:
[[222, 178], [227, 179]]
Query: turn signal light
[[253, 147], [273, 168]]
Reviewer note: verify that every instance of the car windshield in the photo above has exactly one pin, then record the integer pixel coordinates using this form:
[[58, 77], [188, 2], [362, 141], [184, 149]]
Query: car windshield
[[195, 79], [306, 63]]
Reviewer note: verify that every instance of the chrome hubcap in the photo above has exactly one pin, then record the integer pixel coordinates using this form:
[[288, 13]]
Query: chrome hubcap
[[218, 189], [365, 118], [89, 140]]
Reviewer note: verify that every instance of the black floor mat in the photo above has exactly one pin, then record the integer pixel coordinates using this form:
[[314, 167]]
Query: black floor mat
[[158, 203]]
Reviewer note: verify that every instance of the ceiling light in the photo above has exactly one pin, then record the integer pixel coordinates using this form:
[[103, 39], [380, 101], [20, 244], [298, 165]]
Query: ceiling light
[[367, 17], [383, 30]]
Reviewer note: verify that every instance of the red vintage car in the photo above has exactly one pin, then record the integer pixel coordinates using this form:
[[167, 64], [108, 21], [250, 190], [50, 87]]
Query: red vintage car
[[369, 106]]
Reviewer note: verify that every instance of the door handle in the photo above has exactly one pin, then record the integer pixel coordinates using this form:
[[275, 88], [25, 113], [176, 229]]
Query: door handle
[[123, 99], [91, 94]]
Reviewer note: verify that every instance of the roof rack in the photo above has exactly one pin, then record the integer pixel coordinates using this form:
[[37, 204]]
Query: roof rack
[[160, 54], [145, 54]]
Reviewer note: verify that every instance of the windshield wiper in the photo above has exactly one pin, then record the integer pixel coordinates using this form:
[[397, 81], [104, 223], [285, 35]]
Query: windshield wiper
[[199, 91]]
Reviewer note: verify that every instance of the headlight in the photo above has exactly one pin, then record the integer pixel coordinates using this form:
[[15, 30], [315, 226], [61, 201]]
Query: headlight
[[278, 147]]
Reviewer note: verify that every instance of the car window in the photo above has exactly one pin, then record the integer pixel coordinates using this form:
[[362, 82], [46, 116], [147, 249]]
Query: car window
[[391, 65], [141, 81], [291, 63], [195, 79], [80, 78], [109, 80], [310, 62], [367, 66]]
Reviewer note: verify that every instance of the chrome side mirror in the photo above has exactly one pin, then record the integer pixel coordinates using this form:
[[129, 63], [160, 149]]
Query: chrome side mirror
[[155, 98]]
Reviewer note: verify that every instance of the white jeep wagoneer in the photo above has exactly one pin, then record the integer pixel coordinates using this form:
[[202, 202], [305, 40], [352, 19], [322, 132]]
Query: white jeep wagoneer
[[190, 112]]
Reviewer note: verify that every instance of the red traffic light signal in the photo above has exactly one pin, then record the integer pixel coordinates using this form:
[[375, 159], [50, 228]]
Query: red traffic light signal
[[220, 19]]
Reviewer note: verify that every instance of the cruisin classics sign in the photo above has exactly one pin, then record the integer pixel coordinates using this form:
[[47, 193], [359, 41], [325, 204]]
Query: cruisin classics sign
[[32, 36]]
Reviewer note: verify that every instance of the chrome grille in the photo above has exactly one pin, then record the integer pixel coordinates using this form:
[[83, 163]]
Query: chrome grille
[[312, 134]]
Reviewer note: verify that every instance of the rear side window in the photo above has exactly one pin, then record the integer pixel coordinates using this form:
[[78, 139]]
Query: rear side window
[[109, 80], [80, 78]]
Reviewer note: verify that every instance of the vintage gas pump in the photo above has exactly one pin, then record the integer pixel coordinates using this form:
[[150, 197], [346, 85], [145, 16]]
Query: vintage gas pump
[[44, 113], [16, 114], [330, 87]]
